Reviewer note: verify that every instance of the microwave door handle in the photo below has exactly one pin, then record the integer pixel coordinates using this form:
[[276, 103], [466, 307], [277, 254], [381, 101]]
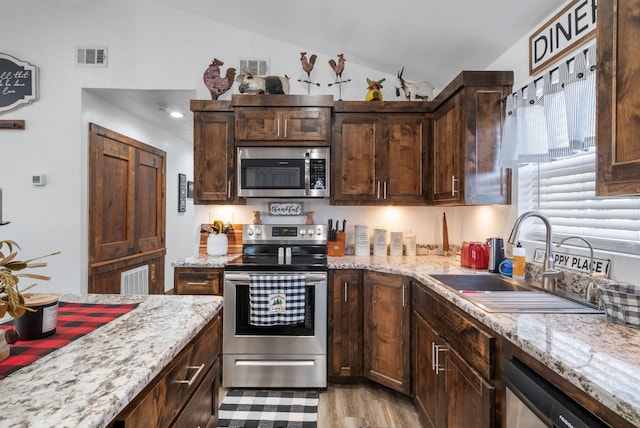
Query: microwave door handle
[[307, 173]]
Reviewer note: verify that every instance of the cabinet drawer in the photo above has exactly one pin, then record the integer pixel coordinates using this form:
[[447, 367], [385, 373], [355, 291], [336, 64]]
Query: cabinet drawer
[[197, 281], [166, 396], [202, 409], [475, 344]]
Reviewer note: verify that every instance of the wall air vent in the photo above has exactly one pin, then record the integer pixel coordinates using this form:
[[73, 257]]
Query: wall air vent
[[91, 56], [257, 66]]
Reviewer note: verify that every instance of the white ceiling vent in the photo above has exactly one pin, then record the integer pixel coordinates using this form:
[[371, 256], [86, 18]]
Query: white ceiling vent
[[257, 66], [91, 56]]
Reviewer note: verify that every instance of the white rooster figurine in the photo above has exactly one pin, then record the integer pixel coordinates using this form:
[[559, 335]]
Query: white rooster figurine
[[216, 84]]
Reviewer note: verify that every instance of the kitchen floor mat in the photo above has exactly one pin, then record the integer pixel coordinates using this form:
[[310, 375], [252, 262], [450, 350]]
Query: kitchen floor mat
[[249, 408], [74, 321]]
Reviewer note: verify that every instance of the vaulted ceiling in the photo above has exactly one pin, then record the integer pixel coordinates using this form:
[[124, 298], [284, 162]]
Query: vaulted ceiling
[[433, 39]]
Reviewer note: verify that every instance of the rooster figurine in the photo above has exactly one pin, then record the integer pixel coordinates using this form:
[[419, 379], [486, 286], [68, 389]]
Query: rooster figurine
[[338, 69], [307, 66], [217, 84]]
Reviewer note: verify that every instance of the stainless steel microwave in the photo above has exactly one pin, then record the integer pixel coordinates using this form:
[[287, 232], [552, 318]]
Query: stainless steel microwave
[[283, 172]]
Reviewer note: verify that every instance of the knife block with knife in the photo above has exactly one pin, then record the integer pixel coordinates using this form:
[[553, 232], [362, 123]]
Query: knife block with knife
[[336, 239]]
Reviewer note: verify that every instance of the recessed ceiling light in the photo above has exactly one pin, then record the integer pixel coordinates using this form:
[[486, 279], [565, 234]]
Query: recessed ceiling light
[[177, 114]]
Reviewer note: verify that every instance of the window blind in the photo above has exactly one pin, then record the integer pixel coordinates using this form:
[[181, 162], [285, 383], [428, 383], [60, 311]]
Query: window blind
[[564, 190]]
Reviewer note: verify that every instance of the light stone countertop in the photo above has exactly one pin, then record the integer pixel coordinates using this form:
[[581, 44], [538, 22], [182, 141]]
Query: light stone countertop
[[89, 381], [600, 358]]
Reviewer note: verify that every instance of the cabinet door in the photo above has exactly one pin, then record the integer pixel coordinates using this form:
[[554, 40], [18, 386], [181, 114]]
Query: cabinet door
[[150, 201], [214, 158], [386, 330], [429, 385], [259, 124], [309, 124], [197, 281], [345, 323], [355, 149], [447, 173], [617, 91], [471, 400], [405, 153]]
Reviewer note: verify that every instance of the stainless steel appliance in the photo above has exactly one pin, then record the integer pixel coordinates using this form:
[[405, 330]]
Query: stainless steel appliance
[[532, 401], [280, 353], [283, 172]]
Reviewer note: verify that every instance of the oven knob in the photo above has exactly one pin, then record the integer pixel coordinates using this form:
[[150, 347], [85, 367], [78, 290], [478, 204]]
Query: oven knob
[[302, 232], [310, 231], [319, 231], [250, 231], [258, 231]]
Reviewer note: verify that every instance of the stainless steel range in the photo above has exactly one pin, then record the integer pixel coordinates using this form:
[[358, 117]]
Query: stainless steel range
[[275, 314]]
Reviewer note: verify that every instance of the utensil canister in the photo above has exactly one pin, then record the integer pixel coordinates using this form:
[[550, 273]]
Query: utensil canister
[[362, 240], [411, 245], [395, 247], [379, 242]]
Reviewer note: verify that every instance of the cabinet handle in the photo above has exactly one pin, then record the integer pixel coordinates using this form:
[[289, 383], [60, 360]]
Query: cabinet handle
[[436, 360], [385, 190], [433, 356], [285, 128], [193, 378], [196, 283], [403, 295], [278, 128], [453, 185], [346, 287], [229, 189], [378, 191]]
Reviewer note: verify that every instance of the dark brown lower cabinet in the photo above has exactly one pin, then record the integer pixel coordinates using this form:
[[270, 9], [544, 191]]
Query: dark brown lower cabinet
[[387, 339], [188, 280], [185, 393], [449, 354]]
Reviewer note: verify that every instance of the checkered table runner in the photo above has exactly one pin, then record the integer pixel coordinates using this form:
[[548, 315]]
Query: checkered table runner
[[74, 321], [276, 299]]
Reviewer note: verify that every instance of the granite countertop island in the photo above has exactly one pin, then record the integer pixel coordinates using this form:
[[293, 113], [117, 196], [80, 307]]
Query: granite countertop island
[[92, 379]]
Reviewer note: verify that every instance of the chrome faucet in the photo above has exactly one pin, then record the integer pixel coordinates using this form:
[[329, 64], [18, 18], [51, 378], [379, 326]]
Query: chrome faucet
[[549, 273]]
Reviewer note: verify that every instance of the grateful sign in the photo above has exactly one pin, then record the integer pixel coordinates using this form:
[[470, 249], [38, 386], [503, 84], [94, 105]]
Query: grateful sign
[[17, 82]]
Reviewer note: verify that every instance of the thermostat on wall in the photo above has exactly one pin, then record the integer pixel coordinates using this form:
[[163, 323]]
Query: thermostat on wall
[[39, 180]]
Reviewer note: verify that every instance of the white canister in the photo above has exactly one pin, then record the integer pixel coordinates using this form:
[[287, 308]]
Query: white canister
[[217, 244], [362, 240], [379, 242], [395, 247], [411, 245]]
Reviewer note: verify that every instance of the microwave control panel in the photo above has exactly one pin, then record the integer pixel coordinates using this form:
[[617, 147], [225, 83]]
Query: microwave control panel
[[318, 173]]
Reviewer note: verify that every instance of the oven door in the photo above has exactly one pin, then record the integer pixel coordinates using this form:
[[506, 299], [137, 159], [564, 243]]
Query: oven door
[[279, 356]]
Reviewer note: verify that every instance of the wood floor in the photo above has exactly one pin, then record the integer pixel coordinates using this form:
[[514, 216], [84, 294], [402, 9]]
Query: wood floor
[[363, 406], [356, 406]]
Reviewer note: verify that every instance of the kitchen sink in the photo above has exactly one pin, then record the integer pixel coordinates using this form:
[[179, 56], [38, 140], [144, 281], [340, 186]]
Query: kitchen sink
[[495, 293]]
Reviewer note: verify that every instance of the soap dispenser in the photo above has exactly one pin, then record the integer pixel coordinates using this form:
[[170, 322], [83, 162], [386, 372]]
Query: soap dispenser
[[518, 256]]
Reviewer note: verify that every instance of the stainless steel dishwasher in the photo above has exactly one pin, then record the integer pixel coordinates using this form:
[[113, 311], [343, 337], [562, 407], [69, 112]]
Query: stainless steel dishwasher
[[531, 402]]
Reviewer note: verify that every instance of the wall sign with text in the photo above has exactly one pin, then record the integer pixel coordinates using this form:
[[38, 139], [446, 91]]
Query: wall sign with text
[[18, 83], [573, 26]]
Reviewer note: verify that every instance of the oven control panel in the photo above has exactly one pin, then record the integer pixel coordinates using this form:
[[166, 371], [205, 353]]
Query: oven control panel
[[265, 233]]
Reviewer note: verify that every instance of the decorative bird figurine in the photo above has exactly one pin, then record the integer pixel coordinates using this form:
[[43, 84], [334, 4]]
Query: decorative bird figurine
[[338, 68], [374, 93], [216, 84], [307, 66]]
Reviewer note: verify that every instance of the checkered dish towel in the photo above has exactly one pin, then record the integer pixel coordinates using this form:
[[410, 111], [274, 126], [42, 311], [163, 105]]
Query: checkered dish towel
[[276, 299]]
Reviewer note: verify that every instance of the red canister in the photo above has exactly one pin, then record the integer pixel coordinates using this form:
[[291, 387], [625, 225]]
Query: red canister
[[465, 254]]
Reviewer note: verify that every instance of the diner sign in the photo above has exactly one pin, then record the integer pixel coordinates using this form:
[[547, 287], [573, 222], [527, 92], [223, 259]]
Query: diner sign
[[573, 26], [17, 82]]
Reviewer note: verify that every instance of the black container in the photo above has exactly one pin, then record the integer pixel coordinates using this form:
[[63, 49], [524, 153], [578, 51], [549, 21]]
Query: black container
[[42, 322], [496, 253]]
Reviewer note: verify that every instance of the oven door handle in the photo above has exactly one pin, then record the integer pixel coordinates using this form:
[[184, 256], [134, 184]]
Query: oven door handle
[[309, 279]]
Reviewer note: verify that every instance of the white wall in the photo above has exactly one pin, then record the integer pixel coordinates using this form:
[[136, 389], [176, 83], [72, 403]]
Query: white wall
[[150, 46]]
